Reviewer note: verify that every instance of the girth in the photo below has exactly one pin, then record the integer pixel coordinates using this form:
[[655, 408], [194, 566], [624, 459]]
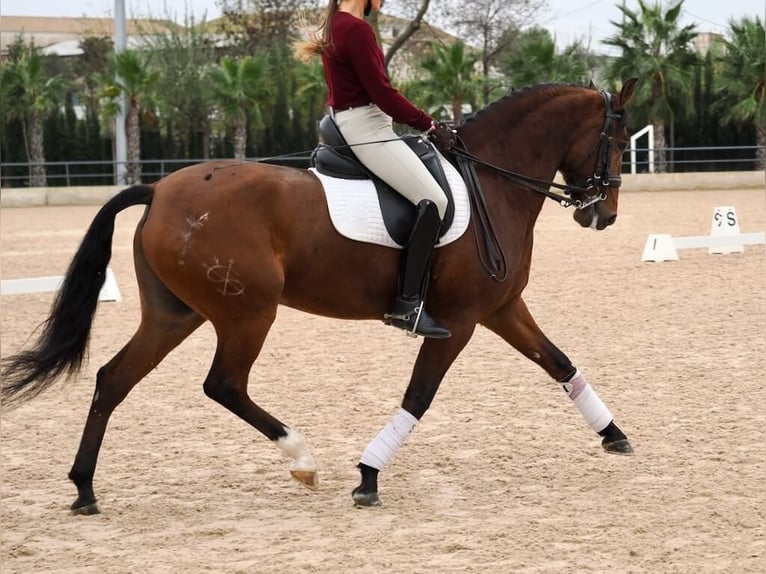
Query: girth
[[335, 158]]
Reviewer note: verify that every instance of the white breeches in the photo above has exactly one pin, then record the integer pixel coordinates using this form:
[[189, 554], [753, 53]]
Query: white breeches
[[391, 160]]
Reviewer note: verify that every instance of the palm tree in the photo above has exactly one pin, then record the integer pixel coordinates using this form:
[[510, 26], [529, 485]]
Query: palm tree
[[310, 94], [655, 47], [450, 78], [238, 88], [4, 114], [742, 79], [30, 95], [535, 61], [91, 67], [134, 80]]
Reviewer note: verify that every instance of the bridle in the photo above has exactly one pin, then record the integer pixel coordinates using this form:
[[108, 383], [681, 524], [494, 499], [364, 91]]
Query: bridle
[[583, 193], [601, 178], [579, 194]]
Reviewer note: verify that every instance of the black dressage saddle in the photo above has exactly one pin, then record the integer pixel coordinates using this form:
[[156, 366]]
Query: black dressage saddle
[[333, 157]]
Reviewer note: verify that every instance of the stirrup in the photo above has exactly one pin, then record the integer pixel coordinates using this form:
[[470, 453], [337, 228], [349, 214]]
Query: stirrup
[[411, 322], [404, 321]]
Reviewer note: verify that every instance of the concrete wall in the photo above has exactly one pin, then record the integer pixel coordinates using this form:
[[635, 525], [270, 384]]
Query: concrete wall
[[692, 181], [37, 196], [97, 195]]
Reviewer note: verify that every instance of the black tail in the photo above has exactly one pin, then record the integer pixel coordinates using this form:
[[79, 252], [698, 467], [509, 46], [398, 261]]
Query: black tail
[[63, 342]]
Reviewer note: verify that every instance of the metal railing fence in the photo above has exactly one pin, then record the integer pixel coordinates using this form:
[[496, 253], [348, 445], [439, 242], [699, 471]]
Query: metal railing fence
[[638, 160]]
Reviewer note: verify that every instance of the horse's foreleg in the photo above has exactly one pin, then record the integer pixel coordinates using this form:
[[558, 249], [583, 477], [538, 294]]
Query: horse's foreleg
[[157, 335], [434, 359], [226, 383], [514, 323]]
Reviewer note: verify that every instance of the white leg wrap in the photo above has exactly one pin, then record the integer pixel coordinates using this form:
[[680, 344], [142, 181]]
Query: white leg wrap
[[590, 405], [384, 446], [294, 446]]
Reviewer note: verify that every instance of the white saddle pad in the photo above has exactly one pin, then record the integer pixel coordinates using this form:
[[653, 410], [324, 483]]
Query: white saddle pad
[[355, 211]]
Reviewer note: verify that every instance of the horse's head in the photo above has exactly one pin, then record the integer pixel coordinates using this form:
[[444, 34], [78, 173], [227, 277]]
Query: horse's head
[[594, 161]]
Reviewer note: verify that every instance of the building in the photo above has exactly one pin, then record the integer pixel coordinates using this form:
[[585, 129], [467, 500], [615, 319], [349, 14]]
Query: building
[[62, 35]]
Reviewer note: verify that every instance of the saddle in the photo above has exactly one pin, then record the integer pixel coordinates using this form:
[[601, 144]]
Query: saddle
[[333, 157]]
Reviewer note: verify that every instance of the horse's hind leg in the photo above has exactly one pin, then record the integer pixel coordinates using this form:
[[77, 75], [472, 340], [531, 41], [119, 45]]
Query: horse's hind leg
[[239, 343], [165, 323], [159, 333], [515, 324]]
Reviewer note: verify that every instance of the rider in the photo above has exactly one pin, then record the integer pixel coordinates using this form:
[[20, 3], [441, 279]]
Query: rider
[[364, 105]]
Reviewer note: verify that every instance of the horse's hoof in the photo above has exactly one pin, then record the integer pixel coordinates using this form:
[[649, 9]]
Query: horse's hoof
[[365, 498], [84, 509], [307, 478], [621, 446]]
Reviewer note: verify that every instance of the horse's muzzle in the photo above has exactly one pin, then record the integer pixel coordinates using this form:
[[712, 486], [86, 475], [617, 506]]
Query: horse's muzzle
[[596, 216]]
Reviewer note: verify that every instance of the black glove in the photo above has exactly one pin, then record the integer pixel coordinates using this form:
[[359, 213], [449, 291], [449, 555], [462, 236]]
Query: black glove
[[442, 136]]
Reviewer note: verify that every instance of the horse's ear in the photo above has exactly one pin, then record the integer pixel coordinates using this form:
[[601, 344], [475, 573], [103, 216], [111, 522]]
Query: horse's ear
[[592, 85], [626, 92]]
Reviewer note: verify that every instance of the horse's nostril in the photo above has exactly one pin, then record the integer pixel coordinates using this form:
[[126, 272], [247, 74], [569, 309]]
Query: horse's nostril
[[611, 219]]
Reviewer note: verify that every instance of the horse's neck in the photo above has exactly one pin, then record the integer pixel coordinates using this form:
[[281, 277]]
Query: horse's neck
[[515, 143], [513, 152]]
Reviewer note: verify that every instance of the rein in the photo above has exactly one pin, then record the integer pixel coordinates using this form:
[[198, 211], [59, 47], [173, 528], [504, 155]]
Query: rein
[[601, 176], [465, 158]]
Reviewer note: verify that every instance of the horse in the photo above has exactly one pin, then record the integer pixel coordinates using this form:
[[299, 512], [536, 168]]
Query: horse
[[229, 241]]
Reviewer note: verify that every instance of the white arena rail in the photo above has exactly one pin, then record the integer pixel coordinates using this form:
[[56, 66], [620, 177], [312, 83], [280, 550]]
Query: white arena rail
[[664, 247], [109, 292], [724, 237]]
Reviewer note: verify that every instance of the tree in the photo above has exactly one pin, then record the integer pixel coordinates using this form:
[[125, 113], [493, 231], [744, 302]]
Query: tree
[[534, 60], [91, 67], [134, 80], [31, 94], [255, 25], [237, 90], [185, 55], [492, 27], [89, 71], [656, 48], [450, 78], [310, 98], [4, 122], [411, 11], [742, 85]]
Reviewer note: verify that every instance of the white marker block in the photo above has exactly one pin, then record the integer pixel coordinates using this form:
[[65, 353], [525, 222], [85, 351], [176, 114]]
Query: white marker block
[[659, 247], [724, 222]]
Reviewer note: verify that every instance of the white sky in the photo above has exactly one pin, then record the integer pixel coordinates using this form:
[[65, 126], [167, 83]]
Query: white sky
[[568, 20]]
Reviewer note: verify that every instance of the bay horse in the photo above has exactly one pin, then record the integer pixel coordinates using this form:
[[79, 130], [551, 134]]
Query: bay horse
[[228, 242]]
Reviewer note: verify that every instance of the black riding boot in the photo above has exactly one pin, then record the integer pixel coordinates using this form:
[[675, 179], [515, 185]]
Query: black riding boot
[[409, 308]]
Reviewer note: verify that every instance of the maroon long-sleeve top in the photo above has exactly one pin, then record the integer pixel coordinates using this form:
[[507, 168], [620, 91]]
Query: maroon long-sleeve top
[[355, 72]]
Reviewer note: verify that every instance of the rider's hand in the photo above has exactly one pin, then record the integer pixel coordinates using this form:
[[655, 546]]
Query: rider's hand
[[441, 135]]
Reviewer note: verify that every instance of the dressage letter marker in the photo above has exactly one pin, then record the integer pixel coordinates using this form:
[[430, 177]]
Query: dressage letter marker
[[659, 247], [724, 223]]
